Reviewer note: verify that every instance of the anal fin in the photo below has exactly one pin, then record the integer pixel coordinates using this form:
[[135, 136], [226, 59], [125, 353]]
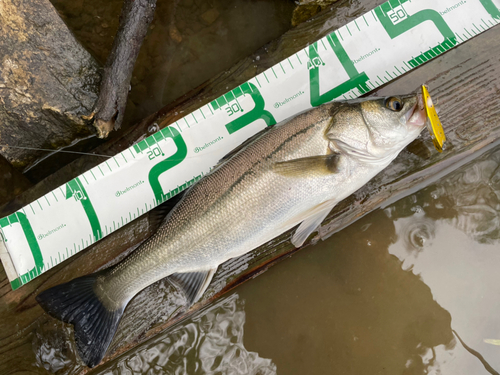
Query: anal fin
[[193, 284]]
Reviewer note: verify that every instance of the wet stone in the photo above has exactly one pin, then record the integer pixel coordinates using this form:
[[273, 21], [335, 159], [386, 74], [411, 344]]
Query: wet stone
[[307, 8], [199, 3], [175, 34], [197, 26], [181, 24], [209, 17], [189, 32]]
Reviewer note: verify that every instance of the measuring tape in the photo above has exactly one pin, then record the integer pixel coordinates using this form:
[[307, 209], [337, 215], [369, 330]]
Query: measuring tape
[[368, 52]]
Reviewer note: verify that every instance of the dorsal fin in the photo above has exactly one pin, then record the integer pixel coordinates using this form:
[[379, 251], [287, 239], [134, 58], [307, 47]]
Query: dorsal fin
[[158, 214]]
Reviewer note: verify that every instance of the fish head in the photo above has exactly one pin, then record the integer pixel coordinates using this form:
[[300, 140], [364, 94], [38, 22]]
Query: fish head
[[376, 130]]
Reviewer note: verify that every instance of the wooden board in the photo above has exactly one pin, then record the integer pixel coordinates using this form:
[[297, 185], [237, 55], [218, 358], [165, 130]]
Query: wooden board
[[465, 83]]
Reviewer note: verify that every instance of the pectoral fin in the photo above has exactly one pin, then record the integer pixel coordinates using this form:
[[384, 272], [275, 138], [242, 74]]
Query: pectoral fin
[[310, 224], [326, 164], [193, 284]]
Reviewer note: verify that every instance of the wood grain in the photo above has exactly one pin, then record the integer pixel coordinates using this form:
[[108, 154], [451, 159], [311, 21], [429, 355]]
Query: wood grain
[[465, 83], [135, 18]]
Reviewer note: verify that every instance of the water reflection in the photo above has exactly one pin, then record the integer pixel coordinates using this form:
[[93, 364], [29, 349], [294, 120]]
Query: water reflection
[[209, 343], [457, 220], [418, 233], [346, 306], [53, 348], [469, 199], [476, 193]]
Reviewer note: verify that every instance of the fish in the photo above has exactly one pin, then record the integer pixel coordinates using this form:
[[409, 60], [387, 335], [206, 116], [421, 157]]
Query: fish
[[291, 174]]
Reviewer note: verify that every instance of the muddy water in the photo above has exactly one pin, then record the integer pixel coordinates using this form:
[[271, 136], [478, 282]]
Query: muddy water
[[390, 294]]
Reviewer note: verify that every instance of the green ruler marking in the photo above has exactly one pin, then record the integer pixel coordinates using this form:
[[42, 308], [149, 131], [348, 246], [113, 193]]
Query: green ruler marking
[[26, 275], [75, 190], [166, 165]]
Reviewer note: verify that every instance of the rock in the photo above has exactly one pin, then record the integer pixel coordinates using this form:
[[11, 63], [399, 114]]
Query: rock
[[209, 17], [48, 82], [308, 8], [174, 33], [181, 24]]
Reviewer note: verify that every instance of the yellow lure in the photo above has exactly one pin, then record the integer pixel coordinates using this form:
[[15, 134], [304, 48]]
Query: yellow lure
[[433, 125]]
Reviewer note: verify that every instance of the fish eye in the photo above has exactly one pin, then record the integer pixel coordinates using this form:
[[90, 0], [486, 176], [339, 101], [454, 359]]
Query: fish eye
[[394, 104]]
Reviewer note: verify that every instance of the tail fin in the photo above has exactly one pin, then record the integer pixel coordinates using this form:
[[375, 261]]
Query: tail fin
[[76, 303]]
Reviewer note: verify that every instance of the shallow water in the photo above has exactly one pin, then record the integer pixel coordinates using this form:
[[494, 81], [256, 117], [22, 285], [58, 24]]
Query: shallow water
[[189, 42], [387, 295]]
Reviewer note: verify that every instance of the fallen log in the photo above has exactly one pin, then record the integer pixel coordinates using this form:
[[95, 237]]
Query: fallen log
[[109, 110], [48, 81], [461, 80]]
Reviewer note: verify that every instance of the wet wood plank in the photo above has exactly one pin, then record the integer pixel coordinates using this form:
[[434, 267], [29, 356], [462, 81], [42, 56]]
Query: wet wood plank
[[464, 81]]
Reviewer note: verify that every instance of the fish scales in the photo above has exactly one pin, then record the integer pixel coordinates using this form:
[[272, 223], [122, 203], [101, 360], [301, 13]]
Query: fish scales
[[220, 217]]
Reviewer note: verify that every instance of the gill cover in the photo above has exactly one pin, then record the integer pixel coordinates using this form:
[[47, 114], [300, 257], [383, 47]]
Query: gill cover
[[373, 130]]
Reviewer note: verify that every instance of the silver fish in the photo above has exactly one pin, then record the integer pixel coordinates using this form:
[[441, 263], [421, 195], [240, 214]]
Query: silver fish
[[294, 173]]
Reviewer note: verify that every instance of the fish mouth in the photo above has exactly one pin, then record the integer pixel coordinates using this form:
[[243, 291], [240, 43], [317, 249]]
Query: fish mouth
[[416, 116]]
